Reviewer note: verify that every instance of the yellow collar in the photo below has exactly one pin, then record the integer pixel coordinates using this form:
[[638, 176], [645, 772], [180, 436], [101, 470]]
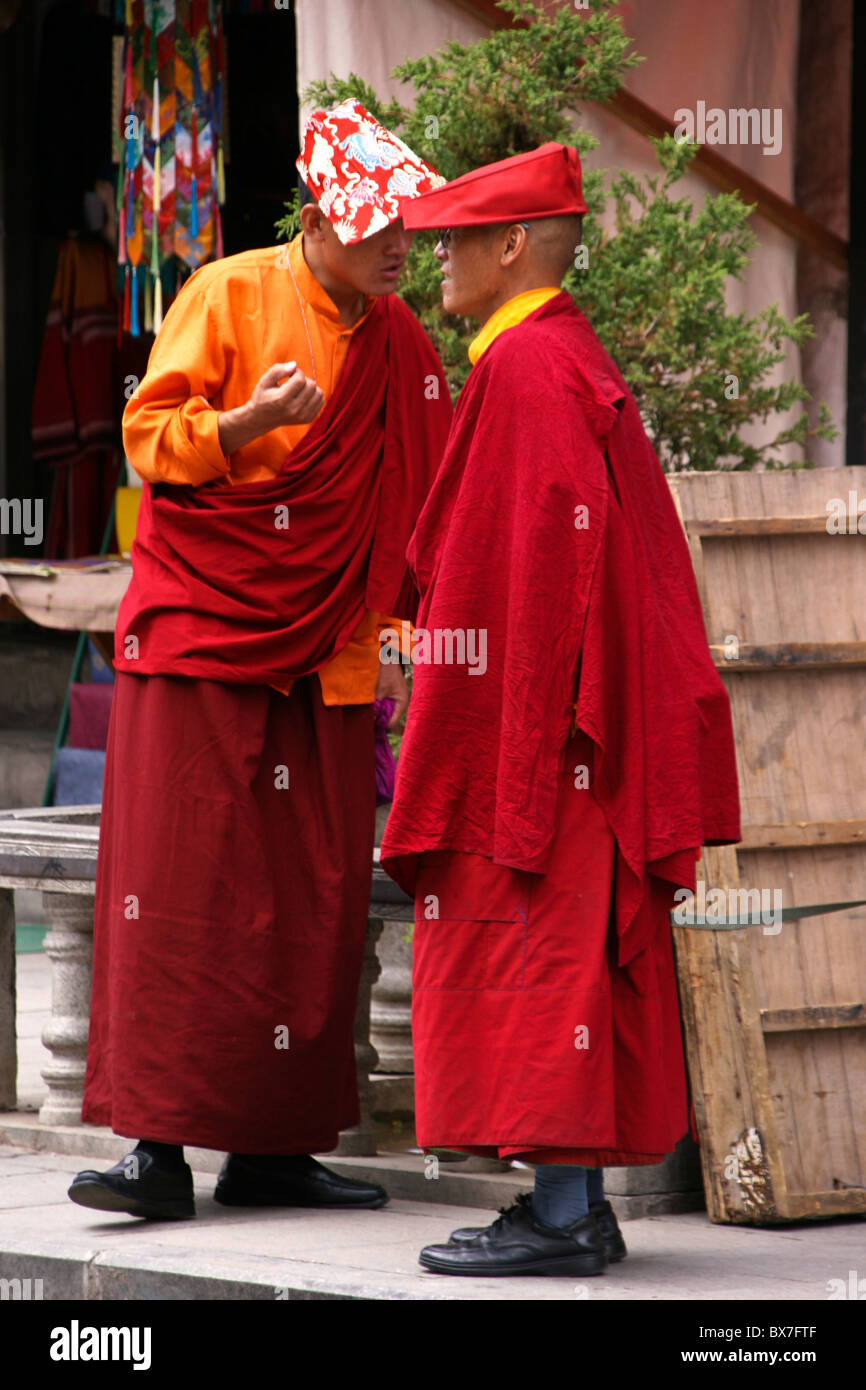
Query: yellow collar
[[513, 311]]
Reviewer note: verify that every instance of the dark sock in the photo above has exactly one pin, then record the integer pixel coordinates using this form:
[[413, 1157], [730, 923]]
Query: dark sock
[[164, 1155], [559, 1196], [595, 1185]]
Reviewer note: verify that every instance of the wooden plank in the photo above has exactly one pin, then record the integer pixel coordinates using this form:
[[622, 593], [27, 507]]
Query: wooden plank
[[694, 543], [835, 1202], [782, 593], [813, 1016], [803, 834], [781, 725], [727, 1067], [806, 656], [733, 526], [789, 589]]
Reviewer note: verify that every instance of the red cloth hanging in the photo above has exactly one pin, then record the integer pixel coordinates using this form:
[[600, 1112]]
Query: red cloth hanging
[[76, 415]]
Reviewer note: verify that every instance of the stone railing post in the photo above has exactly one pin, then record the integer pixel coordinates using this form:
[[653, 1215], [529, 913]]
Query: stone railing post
[[8, 1042], [361, 1138], [69, 945], [391, 1008]]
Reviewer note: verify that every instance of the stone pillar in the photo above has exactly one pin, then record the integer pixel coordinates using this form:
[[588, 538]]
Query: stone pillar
[[69, 946], [391, 1008], [361, 1138], [8, 1037]]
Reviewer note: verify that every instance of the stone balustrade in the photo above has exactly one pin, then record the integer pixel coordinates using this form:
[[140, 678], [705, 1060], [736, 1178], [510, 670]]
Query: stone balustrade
[[54, 849]]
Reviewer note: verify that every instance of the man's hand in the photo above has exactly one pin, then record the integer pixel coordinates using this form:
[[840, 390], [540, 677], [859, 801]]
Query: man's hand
[[282, 396], [391, 685]]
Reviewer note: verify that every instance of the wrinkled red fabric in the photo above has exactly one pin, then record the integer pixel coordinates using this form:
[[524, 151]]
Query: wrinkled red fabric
[[224, 590], [605, 614]]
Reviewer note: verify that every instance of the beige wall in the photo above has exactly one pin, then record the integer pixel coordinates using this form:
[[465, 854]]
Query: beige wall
[[370, 37], [740, 54]]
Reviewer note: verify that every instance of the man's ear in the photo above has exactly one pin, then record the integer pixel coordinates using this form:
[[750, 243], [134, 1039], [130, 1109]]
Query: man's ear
[[312, 219], [515, 240]]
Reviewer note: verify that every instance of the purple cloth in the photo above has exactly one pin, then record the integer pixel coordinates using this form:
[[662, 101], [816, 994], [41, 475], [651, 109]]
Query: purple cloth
[[89, 713], [386, 767]]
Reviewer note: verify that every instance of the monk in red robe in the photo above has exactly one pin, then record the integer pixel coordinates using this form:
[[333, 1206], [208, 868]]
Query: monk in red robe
[[287, 431], [568, 750]]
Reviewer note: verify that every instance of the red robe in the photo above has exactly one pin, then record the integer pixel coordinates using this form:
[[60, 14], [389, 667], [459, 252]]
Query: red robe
[[267, 580], [551, 529]]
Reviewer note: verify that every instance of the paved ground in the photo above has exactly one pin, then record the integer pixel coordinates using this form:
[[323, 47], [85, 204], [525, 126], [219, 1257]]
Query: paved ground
[[237, 1254], [263, 1255]]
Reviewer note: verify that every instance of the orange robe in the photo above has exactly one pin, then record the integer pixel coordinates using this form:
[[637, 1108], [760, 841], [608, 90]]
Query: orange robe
[[212, 349]]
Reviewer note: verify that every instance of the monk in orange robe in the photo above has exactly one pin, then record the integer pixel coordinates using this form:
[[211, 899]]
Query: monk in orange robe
[[287, 431]]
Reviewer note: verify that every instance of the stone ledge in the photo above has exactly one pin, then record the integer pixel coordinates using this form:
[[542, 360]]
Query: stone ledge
[[177, 1277], [402, 1174], [392, 1094]]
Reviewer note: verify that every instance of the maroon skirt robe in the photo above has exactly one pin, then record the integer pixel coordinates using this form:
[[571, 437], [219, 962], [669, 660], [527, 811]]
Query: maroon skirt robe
[[230, 915]]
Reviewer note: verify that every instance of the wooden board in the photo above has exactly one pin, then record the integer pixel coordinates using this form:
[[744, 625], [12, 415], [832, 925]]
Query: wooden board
[[775, 1017]]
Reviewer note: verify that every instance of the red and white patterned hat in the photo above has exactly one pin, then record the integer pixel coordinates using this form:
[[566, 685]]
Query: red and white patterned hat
[[357, 171]]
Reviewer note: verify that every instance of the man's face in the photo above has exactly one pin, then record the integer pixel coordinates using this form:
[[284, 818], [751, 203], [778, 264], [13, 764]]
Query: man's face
[[371, 266], [471, 271]]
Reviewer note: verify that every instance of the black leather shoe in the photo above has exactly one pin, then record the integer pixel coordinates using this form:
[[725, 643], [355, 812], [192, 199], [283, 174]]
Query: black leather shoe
[[299, 1181], [137, 1186], [518, 1244], [605, 1218]]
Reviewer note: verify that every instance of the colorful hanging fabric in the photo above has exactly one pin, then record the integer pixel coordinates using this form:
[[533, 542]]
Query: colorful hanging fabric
[[172, 180]]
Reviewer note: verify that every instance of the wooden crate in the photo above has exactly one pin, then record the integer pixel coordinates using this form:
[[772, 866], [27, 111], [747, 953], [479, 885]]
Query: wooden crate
[[775, 1018]]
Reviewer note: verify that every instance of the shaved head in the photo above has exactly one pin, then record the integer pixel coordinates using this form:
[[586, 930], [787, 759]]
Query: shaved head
[[551, 243]]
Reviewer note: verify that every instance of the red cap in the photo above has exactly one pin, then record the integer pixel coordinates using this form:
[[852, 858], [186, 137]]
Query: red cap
[[541, 183]]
